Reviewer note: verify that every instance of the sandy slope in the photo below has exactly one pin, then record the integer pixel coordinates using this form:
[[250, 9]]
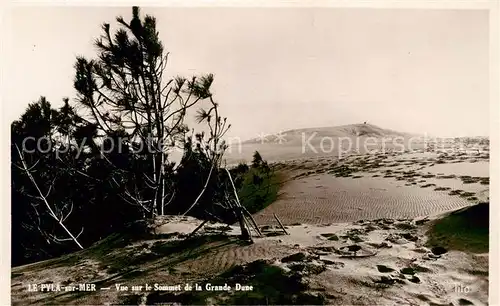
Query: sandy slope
[[326, 199], [355, 280], [327, 196], [351, 130], [341, 276], [319, 142], [340, 141], [378, 185]]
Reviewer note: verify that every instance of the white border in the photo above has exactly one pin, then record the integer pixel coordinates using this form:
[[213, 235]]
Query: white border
[[491, 5]]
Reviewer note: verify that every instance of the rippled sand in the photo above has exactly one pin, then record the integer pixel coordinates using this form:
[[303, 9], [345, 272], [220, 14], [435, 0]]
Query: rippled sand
[[480, 168], [376, 185], [326, 199], [342, 277]]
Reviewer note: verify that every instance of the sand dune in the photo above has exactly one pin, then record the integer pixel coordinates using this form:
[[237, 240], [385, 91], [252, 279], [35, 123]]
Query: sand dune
[[351, 130], [317, 142], [379, 185], [356, 225], [345, 140], [326, 199], [391, 266]]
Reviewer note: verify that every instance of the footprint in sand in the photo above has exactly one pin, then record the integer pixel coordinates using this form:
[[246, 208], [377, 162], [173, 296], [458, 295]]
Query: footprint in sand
[[333, 264], [438, 250], [330, 236], [382, 245], [384, 269]]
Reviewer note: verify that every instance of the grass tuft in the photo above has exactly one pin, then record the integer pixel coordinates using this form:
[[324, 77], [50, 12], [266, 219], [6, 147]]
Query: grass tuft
[[463, 230]]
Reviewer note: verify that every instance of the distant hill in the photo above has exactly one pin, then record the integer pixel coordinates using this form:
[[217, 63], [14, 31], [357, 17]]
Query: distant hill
[[350, 130], [310, 142]]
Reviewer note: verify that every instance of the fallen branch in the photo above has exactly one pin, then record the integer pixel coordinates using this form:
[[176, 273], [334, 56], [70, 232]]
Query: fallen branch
[[252, 219], [197, 229], [239, 210], [281, 225], [245, 221]]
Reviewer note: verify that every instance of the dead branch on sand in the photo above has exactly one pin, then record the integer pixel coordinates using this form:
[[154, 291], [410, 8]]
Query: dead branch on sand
[[281, 225]]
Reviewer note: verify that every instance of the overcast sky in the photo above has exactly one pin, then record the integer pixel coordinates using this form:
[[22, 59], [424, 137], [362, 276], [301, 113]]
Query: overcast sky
[[284, 68]]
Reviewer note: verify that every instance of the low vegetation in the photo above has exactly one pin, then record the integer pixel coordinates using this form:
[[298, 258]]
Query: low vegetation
[[86, 170], [463, 230], [271, 285], [258, 184]]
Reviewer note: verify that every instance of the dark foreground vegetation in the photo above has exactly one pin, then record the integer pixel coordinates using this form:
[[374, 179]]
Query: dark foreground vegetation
[[103, 160], [118, 259], [463, 230], [271, 285]]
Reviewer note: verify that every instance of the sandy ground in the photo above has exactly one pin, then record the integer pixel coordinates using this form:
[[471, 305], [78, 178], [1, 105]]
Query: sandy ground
[[341, 141], [390, 185], [354, 219], [390, 267], [394, 245], [325, 198]]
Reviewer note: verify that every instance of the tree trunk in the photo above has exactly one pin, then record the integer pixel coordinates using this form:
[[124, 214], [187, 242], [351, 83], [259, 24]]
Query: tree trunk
[[245, 233]]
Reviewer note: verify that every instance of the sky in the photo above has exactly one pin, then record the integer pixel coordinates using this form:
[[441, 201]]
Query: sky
[[411, 70]]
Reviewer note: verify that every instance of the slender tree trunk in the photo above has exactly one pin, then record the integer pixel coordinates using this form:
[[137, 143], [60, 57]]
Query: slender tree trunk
[[245, 233], [44, 199], [162, 183], [202, 191]]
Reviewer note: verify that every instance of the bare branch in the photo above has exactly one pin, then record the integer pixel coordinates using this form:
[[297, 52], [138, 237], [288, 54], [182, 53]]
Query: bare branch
[[51, 211], [50, 188], [69, 213]]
